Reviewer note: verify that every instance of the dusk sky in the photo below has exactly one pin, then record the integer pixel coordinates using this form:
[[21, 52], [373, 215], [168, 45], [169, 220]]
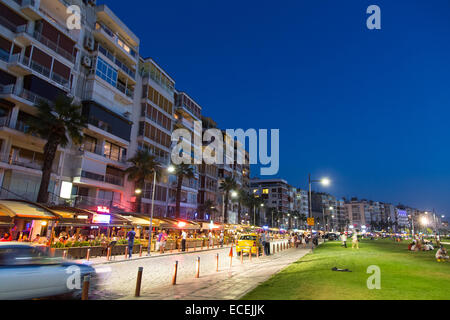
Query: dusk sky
[[367, 108]]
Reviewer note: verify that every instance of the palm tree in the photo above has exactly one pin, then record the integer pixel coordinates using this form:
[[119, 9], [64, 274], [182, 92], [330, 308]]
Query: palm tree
[[208, 206], [181, 171], [57, 123], [226, 186], [144, 165]]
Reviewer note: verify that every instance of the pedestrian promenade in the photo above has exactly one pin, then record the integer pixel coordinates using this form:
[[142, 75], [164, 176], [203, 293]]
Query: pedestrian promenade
[[227, 284]]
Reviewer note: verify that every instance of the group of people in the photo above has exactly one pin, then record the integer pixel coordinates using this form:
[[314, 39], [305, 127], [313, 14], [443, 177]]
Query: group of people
[[355, 240]]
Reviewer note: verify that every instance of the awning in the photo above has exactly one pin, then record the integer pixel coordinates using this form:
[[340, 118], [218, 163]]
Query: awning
[[25, 209], [179, 224], [77, 217], [137, 220]]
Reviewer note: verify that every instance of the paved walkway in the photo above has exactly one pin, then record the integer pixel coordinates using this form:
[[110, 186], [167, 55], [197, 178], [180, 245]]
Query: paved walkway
[[227, 284]]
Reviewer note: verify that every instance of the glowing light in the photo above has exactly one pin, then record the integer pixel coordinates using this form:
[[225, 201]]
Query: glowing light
[[103, 209], [326, 182], [171, 169], [181, 224]]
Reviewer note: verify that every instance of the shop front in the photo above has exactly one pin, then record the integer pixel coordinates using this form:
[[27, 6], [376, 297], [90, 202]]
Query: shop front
[[27, 221]]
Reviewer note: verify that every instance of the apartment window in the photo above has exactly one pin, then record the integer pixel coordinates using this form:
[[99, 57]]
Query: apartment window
[[265, 191], [113, 152], [106, 72], [90, 143]]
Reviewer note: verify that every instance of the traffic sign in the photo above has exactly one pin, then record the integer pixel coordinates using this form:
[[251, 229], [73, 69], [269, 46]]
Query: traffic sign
[[311, 222]]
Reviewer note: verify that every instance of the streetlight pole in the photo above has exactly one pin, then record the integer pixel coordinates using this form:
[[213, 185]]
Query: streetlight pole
[[310, 182], [150, 234]]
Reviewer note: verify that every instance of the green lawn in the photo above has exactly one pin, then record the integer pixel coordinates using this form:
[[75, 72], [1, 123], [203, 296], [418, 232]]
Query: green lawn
[[404, 275]]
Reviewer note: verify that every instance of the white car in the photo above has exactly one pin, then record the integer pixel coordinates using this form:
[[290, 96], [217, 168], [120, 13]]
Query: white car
[[27, 272]]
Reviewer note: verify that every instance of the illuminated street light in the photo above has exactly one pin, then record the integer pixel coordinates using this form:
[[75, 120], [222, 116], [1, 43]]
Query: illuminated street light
[[424, 221], [138, 191], [326, 182], [171, 169]]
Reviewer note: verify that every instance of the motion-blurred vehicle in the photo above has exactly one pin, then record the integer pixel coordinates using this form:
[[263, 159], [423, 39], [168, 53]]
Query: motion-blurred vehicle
[[28, 272], [249, 243]]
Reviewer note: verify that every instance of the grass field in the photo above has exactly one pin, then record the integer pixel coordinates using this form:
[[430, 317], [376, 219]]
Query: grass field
[[405, 275]]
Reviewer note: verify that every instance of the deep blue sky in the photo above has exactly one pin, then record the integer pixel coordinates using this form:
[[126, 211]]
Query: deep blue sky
[[369, 109]]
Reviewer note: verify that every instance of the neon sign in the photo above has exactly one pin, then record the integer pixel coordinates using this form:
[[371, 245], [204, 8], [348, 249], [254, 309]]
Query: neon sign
[[103, 209]]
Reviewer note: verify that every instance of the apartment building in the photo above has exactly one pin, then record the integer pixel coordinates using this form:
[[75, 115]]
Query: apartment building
[[39, 60], [275, 193], [130, 103]]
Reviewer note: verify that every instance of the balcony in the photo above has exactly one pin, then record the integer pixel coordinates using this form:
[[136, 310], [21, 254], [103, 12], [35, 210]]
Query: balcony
[[7, 158], [24, 66], [29, 8], [53, 46], [98, 150], [117, 62], [11, 26], [107, 34], [126, 91], [107, 178]]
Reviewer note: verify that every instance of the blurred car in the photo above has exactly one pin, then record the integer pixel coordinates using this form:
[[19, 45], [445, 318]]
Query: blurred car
[[28, 272], [249, 243]]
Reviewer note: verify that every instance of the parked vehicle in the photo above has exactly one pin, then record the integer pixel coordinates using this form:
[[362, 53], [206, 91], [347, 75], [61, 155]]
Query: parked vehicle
[[28, 272], [249, 243]]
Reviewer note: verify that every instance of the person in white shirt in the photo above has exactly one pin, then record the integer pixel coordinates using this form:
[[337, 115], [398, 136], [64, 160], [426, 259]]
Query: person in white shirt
[[183, 240], [210, 238], [344, 240]]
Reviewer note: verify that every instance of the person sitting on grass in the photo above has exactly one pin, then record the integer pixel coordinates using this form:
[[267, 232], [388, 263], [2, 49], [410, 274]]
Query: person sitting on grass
[[442, 254]]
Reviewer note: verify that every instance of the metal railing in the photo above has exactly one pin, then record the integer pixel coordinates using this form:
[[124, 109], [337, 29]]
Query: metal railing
[[128, 92], [53, 46], [37, 67]]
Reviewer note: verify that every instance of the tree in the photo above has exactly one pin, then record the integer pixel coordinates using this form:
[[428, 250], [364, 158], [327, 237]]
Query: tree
[[57, 122], [181, 171], [226, 186], [144, 165], [206, 207]]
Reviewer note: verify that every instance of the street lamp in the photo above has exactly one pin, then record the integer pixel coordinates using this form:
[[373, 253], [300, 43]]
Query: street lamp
[[234, 194], [325, 182], [170, 169]]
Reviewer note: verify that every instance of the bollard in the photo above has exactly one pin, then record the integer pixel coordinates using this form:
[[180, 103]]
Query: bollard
[[257, 252], [140, 250], [126, 252], [85, 292], [175, 271], [88, 254], [242, 256], [250, 254], [273, 249], [217, 263], [187, 246], [108, 254], [137, 293], [197, 268], [65, 254]]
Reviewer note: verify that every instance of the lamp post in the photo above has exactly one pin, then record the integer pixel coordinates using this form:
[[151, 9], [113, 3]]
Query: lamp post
[[170, 169], [234, 195], [325, 182]]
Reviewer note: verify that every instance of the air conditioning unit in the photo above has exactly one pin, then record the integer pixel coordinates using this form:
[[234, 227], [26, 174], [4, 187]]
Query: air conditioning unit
[[89, 43], [86, 61]]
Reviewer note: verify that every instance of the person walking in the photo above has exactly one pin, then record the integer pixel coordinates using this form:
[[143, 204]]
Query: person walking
[[210, 239], [355, 242], [183, 240], [130, 236], [344, 240], [221, 239], [162, 242]]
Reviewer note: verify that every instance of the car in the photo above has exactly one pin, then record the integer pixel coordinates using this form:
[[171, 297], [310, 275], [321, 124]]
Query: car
[[28, 272], [249, 243]]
